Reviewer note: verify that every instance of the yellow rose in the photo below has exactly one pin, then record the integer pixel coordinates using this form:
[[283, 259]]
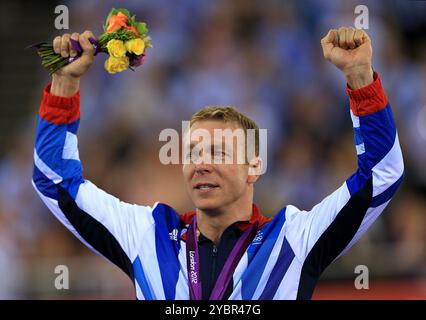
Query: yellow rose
[[116, 48], [114, 65], [136, 46]]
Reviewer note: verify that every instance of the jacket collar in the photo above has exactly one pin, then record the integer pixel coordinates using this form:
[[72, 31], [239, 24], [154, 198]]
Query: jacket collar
[[187, 217]]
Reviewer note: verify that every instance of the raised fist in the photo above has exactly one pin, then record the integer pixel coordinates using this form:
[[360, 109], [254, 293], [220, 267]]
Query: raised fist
[[62, 46], [350, 50]]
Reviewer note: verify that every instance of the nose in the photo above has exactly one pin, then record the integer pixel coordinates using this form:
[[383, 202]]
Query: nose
[[202, 168], [202, 159]]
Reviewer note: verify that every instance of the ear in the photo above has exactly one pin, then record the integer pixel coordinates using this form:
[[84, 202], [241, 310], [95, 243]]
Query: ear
[[254, 170]]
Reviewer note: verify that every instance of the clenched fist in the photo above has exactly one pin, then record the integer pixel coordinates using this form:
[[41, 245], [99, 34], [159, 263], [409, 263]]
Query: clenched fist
[[66, 81], [350, 50]]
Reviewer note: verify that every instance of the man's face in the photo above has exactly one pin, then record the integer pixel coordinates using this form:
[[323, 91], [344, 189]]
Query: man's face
[[213, 186]]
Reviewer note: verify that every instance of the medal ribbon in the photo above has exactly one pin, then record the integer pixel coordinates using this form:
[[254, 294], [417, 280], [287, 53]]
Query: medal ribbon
[[225, 276]]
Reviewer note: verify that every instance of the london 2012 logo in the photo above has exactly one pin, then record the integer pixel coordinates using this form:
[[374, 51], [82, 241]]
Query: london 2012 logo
[[193, 273]]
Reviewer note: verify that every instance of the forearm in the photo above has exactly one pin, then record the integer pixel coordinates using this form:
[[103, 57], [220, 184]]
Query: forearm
[[64, 86], [359, 77]]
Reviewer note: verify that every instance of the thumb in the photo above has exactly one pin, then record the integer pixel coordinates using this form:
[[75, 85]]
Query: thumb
[[327, 43]]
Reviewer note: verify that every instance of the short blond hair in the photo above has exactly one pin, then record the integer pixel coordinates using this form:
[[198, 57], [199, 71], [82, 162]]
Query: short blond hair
[[228, 114]]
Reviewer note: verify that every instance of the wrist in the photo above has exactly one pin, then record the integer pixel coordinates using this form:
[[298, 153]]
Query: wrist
[[359, 77], [64, 86]]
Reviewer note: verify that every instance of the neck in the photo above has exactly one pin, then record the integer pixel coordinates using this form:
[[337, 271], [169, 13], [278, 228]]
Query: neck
[[212, 224]]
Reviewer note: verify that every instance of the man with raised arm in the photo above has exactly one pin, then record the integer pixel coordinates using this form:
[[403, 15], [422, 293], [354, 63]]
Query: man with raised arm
[[225, 248]]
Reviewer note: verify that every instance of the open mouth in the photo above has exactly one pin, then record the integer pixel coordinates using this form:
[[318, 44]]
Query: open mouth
[[205, 186]]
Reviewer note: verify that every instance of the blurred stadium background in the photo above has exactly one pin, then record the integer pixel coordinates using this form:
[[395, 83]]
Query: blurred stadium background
[[263, 57]]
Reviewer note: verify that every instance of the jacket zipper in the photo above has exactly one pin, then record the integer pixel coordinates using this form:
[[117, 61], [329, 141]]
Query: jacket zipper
[[214, 254]]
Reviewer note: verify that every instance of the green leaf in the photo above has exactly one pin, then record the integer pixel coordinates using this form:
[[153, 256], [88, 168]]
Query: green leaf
[[124, 11], [141, 28], [131, 21]]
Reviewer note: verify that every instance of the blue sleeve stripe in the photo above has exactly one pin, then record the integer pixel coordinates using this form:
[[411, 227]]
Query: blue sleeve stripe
[[141, 279], [73, 126], [50, 143], [47, 171], [357, 181], [50, 140], [378, 133], [71, 174], [258, 255], [44, 184], [374, 138], [284, 260], [166, 220], [387, 194]]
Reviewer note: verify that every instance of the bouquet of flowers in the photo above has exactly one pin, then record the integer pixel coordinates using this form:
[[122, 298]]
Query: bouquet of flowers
[[124, 39]]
